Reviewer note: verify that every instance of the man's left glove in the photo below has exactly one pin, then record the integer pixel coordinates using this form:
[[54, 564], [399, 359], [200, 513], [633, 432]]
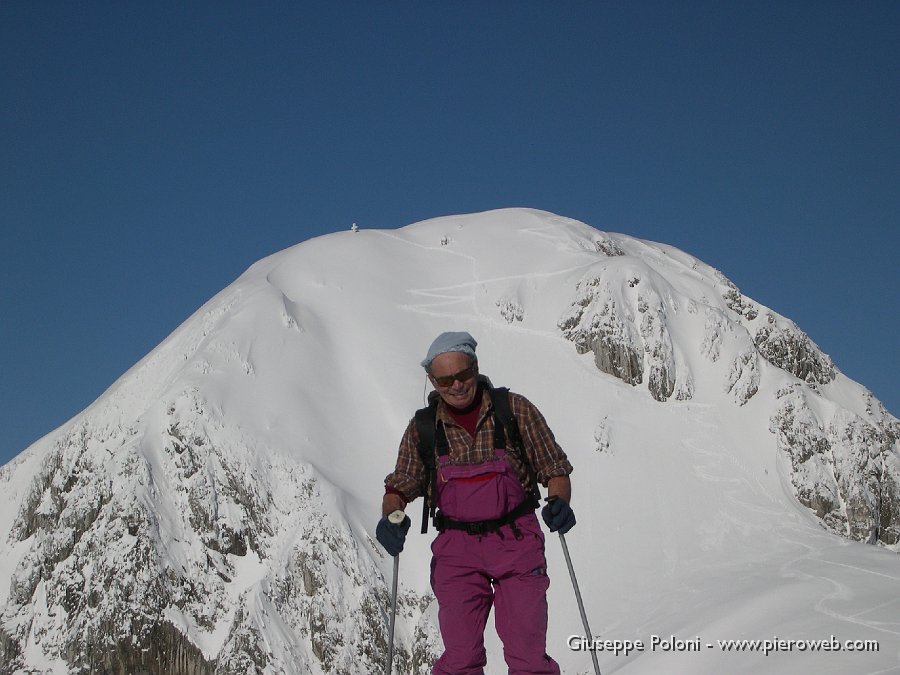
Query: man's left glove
[[392, 535], [558, 515]]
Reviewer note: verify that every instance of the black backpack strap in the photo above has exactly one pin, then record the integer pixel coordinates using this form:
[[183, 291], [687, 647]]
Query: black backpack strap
[[508, 423], [429, 433], [508, 430]]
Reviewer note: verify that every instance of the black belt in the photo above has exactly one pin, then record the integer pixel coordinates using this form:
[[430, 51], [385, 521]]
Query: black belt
[[479, 527]]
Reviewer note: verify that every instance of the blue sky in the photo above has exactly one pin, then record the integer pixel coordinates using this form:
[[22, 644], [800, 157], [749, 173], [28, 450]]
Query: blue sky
[[151, 152]]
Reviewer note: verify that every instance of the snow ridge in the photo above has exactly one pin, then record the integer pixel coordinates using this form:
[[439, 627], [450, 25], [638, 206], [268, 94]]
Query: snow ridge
[[214, 511]]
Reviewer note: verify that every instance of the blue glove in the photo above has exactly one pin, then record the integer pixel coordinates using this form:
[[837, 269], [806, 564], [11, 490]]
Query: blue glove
[[392, 535], [558, 515]]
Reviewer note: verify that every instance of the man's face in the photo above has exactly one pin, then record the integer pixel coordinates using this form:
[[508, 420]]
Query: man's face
[[458, 394]]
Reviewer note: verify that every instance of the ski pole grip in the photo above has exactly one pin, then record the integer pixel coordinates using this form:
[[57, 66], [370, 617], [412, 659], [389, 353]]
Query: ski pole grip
[[396, 517]]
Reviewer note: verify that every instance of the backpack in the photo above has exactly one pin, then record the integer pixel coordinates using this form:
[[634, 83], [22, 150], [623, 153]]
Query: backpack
[[433, 443]]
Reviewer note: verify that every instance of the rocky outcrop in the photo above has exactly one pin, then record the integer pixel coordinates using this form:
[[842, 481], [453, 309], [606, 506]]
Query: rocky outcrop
[[94, 566], [790, 349], [138, 551], [624, 325], [735, 301], [511, 310], [845, 469], [608, 247], [658, 348], [743, 378], [596, 323]]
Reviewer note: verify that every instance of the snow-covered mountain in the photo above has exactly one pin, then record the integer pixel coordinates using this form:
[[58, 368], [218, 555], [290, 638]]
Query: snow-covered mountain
[[214, 510]]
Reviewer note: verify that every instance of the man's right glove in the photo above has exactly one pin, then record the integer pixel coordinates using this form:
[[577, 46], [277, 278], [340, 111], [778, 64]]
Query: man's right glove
[[558, 515], [392, 535]]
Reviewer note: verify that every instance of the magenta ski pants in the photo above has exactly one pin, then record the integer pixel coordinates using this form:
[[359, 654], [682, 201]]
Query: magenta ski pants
[[505, 570]]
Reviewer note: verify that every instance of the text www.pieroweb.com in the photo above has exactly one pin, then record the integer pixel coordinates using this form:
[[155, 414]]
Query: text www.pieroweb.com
[[777, 644], [765, 646]]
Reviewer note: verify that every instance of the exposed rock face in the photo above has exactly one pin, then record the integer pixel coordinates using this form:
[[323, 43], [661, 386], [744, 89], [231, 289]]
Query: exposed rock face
[[624, 325], [792, 351], [743, 380], [608, 247], [735, 301], [112, 585], [595, 323], [844, 468], [511, 310], [96, 566]]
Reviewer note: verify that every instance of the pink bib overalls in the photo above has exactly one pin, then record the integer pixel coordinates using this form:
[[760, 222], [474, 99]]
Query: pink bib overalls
[[505, 569]]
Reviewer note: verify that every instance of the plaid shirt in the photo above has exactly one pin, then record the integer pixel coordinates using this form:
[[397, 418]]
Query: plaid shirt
[[547, 458]]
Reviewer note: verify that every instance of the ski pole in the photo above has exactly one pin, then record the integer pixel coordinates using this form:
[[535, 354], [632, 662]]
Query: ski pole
[[584, 621], [395, 517]]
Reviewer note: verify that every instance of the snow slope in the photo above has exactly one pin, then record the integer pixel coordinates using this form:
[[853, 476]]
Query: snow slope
[[215, 509]]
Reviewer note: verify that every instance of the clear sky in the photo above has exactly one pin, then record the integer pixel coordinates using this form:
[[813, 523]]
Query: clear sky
[[151, 152]]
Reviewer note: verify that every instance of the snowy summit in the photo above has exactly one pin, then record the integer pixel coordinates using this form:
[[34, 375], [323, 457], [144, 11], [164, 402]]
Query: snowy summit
[[214, 510]]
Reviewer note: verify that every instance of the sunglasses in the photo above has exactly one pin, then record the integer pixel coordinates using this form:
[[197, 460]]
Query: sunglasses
[[445, 381]]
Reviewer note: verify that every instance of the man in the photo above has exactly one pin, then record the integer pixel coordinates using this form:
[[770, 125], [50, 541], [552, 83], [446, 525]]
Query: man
[[490, 548]]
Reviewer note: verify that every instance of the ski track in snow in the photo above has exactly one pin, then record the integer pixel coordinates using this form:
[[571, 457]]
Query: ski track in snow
[[843, 591], [447, 299]]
